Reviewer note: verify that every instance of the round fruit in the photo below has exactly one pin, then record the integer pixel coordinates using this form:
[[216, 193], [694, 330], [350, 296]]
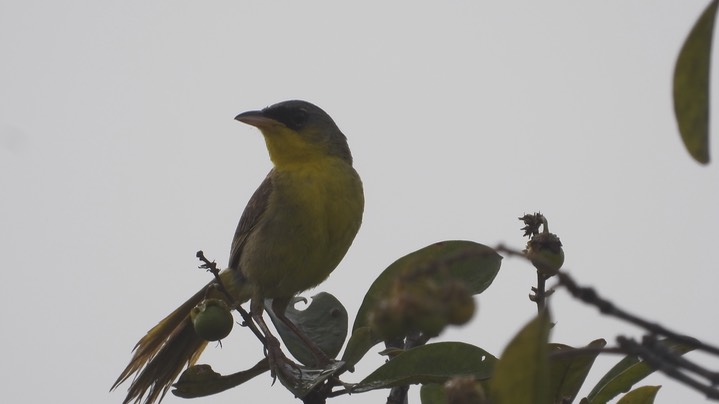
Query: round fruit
[[430, 322], [546, 253], [386, 320], [212, 319], [460, 309]]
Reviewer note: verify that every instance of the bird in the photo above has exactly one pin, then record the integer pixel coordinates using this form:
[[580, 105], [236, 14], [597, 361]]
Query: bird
[[296, 228]]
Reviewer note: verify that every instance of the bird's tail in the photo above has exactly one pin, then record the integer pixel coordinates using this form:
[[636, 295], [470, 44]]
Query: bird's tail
[[162, 353]]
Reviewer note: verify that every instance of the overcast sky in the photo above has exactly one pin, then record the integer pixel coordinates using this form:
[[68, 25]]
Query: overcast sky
[[120, 158]]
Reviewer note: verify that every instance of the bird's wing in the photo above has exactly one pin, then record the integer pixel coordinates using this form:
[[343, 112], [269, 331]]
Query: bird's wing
[[250, 217]]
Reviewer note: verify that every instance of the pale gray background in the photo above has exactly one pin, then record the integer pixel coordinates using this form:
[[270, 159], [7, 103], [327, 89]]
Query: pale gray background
[[119, 158]]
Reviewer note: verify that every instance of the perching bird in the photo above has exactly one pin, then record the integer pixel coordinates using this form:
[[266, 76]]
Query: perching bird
[[295, 230]]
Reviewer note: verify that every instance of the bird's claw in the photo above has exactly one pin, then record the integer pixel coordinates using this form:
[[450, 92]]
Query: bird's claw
[[280, 365]]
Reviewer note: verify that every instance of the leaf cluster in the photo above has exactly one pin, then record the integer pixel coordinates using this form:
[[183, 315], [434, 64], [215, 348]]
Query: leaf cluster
[[420, 294]]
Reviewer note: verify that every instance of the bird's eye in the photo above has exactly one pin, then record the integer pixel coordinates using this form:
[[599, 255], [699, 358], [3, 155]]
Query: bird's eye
[[298, 118]]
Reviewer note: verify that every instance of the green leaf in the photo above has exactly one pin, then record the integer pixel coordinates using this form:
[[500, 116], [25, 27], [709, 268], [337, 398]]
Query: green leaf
[[691, 86], [641, 395], [474, 264], [324, 321], [522, 372], [201, 380], [361, 341], [568, 370], [432, 363], [626, 373]]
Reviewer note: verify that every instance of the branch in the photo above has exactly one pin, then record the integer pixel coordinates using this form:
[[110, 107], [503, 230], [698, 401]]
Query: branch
[[590, 296], [653, 353], [658, 361], [246, 318], [540, 294]]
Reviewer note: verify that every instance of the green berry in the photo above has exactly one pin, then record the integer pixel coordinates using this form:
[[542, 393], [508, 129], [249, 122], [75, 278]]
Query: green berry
[[212, 319], [546, 253]]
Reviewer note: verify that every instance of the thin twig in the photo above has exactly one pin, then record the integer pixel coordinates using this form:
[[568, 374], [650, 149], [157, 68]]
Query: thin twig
[[539, 294], [670, 356], [501, 248], [590, 296], [398, 395], [655, 361], [246, 317], [653, 353]]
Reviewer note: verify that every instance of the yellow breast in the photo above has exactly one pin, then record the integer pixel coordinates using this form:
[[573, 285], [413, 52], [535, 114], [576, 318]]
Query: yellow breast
[[313, 214]]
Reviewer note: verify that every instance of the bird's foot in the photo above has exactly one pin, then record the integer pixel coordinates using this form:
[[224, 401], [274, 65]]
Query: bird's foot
[[280, 365]]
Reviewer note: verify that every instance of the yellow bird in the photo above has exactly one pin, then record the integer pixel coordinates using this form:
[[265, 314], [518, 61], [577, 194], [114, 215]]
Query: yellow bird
[[295, 230]]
